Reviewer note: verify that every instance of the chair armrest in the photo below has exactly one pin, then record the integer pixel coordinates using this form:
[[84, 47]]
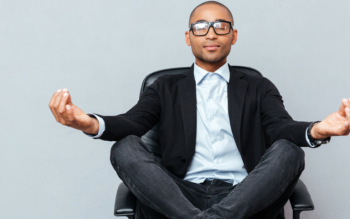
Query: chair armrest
[[125, 201], [301, 199]]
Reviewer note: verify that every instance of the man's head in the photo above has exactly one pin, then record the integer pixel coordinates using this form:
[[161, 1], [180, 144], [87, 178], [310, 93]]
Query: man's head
[[212, 48]]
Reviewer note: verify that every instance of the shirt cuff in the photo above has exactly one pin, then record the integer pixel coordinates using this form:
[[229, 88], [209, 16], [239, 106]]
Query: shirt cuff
[[101, 128], [307, 138]]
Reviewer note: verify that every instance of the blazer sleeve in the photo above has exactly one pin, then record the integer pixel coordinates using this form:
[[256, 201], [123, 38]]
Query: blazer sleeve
[[138, 120], [276, 121]]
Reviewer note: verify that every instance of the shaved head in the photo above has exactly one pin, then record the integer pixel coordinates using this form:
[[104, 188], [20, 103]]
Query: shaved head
[[210, 3]]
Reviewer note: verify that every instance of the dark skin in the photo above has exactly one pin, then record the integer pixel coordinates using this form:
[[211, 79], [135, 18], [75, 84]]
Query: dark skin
[[211, 53], [211, 60], [335, 124]]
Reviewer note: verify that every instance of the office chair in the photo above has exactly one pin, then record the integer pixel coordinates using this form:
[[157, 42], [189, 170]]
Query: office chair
[[126, 204]]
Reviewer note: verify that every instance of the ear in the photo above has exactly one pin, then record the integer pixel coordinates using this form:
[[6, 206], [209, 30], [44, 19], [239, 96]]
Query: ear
[[187, 38], [234, 38]]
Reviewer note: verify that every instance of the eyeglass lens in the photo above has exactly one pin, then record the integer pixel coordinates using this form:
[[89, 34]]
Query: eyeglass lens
[[219, 27]]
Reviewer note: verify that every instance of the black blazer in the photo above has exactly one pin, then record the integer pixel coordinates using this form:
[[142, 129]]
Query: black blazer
[[257, 117]]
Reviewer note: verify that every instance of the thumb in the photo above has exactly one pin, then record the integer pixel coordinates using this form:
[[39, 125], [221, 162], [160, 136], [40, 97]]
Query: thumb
[[69, 100], [341, 110], [74, 110], [69, 112], [342, 107], [341, 129]]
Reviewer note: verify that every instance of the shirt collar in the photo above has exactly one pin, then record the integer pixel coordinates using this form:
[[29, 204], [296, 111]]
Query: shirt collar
[[199, 72]]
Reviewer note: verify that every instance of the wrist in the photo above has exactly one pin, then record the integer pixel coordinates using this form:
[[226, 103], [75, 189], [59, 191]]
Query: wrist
[[315, 138], [315, 133], [93, 126]]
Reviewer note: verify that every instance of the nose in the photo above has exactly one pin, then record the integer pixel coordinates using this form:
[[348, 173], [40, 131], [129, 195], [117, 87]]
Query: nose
[[211, 34]]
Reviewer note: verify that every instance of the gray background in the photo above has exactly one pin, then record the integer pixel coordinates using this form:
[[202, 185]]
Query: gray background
[[51, 171]]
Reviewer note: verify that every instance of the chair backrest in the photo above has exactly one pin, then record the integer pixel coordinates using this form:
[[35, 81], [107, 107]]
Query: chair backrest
[[151, 138]]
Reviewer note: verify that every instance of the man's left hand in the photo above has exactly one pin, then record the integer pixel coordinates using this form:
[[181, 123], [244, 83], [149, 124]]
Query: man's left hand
[[336, 124]]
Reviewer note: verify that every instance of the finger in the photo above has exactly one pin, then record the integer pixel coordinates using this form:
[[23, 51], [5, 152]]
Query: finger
[[347, 123], [69, 100], [344, 104], [341, 129], [347, 112], [69, 112], [57, 104], [54, 97], [51, 104], [63, 102], [62, 107]]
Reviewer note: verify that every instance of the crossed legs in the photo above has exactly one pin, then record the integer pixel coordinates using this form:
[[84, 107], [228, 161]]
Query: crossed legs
[[148, 180], [261, 194]]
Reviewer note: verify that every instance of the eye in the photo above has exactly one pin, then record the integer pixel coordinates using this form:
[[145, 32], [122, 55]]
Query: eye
[[201, 26], [222, 27]]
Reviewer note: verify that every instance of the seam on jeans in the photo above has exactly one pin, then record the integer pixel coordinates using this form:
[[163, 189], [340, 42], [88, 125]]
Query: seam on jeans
[[289, 182], [237, 186], [224, 200], [160, 210], [158, 164], [178, 183], [213, 196], [261, 160], [223, 192], [190, 189], [145, 146], [208, 189]]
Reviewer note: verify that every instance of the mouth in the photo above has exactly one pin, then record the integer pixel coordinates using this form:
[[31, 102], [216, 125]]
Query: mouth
[[211, 47]]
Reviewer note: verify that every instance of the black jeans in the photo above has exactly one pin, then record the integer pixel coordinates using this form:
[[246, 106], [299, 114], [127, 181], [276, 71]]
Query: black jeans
[[261, 195]]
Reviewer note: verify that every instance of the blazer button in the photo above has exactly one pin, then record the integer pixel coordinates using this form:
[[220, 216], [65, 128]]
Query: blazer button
[[183, 160]]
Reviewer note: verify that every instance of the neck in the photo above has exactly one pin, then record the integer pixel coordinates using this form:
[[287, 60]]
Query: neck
[[210, 66]]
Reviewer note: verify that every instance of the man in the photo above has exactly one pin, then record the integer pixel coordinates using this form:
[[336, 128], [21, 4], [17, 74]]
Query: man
[[229, 148]]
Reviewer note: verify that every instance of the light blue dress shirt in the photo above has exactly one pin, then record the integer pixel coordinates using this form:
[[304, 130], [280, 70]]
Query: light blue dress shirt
[[216, 153]]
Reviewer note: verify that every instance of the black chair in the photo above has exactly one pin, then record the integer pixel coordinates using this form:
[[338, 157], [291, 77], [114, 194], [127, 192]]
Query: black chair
[[126, 204]]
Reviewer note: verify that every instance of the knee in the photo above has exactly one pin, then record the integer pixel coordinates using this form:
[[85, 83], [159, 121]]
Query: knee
[[289, 153], [122, 150]]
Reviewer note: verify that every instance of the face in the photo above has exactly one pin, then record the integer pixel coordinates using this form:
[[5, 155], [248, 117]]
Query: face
[[211, 48]]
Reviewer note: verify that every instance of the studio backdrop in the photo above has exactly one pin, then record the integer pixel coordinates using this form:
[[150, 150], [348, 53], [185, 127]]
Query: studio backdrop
[[102, 50]]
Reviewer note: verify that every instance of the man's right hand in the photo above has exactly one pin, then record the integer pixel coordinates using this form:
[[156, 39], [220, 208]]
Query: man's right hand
[[68, 114]]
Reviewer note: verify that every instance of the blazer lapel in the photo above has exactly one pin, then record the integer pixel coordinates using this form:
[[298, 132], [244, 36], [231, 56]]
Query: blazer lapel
[[188, 102], [236, 91]]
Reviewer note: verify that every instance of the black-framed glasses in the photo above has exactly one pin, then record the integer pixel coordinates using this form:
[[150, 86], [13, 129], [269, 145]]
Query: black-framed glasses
[[202, 28]]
